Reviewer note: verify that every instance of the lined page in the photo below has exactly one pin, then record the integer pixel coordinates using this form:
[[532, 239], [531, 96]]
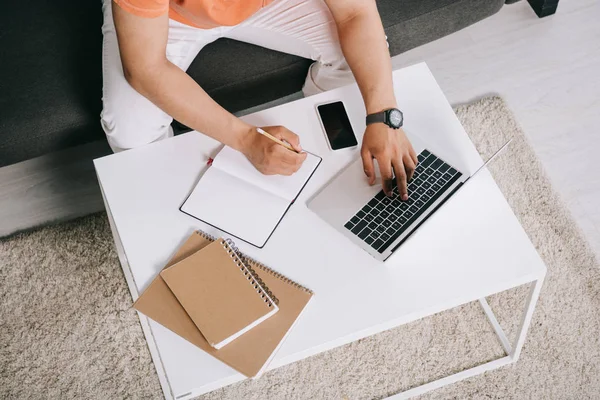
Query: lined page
[[235, 206], [287, 187]]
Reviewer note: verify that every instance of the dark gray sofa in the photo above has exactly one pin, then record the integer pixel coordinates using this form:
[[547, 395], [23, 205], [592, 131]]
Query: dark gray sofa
[[51, 86], [50, 91]]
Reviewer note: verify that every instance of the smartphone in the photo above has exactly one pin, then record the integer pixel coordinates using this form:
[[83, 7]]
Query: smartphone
[[336, 125]]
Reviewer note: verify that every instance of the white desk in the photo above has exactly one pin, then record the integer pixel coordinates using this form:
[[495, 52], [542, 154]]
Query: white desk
[[445, 264]]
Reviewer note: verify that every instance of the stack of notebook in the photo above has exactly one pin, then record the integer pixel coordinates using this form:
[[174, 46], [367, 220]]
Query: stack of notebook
[[230, 306]]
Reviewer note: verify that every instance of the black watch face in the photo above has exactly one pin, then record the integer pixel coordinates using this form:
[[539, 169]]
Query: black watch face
[[395, 118]]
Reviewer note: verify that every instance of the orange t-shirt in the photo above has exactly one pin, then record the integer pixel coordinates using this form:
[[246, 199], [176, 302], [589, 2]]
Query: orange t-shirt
[[199, 13]]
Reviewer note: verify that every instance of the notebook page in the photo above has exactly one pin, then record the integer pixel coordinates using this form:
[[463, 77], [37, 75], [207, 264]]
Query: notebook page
[[287, 187], [235, 206]]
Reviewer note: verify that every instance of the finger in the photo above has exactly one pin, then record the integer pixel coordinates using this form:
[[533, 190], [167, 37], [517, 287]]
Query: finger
[[368, 166], [413, 155], [283, 133], [401, 178], [385, 167], [288, 157], [409, 166]]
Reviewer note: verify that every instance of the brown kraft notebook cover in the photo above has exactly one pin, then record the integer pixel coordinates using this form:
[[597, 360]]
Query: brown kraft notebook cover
[[219, 293], [249, 354]]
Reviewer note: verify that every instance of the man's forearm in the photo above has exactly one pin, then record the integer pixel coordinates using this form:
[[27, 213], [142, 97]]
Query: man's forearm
[[176, 93], [363, 42]]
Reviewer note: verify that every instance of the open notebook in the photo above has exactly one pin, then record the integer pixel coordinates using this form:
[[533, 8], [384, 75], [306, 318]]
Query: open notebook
[[221, 294], [236, 198]]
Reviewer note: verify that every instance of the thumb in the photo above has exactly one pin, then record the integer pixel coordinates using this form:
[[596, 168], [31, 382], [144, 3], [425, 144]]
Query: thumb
[[290, 137], [368, 166]]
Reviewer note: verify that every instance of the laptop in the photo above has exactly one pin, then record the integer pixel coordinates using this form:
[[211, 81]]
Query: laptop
[[380, 224]]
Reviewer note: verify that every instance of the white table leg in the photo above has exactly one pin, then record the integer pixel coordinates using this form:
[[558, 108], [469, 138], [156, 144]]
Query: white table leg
[[144, 322], [512, 352]]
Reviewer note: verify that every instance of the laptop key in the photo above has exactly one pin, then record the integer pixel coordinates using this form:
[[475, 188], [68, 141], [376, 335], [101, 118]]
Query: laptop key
[[436, 187], [364, 233], [378, 219], [366, 208], [359, 227], [452, 171], [398, 211], [436, 164], [360, 214], [429, 172], [380, 195], [380, 228], [373, 202], [425, 198], [393, 217], [430, 193], [386, 200], [377, 244], [385, 237], [380, 206], [421, 190], [413, 209], [444, 167], [390, 208], [402, 220], [428, 160], [373, 225], [397, 225], [407, 214], [387, 223], [384, 214], [447, 176], [355, 220], [437, 174], [349, 225], [369, 218], [412, 187], [426, 185], [441, 181], [369, 240], [431, 180], [419, 203], [418, 181], [404, 206]]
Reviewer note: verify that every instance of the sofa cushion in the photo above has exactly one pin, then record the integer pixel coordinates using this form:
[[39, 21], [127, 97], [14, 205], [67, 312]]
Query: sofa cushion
[[51, 75]]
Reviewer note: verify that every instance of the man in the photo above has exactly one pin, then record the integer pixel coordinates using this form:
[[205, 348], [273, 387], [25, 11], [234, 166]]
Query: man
[[148, 44]]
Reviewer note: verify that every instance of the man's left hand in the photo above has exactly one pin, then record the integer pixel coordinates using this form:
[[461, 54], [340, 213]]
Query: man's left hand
[[394, 154]]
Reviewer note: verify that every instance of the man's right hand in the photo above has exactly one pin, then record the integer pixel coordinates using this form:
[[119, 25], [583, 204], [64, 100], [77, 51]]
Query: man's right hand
[[269, 157]]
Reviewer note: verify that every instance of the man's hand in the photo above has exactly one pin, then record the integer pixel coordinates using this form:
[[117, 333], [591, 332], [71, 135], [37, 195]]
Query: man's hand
[[394, 154], [269, 157]]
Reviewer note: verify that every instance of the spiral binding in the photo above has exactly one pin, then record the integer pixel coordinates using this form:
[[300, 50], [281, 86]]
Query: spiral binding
[[206, 236], [249, 273], [249, 260]]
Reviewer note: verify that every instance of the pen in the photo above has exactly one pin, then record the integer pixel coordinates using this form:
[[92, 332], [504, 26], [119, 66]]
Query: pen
[[273, 138]]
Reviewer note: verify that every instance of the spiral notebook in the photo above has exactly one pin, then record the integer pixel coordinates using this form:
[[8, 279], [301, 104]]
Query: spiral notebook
[[250, 353], [232, 196], [221, 294]]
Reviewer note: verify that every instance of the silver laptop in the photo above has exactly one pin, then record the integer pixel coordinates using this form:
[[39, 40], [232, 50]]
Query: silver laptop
[[380, 224]]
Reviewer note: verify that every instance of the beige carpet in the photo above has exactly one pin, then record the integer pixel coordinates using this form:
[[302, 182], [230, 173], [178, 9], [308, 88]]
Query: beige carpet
[[67, 329]]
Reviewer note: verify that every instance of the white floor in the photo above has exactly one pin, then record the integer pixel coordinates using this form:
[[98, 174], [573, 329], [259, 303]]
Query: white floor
[[548, 71]]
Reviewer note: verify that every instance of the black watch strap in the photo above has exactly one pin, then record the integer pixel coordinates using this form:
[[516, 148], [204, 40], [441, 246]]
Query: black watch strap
[[376, 117]]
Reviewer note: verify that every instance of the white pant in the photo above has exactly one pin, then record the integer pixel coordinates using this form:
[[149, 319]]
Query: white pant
[[301, 27]]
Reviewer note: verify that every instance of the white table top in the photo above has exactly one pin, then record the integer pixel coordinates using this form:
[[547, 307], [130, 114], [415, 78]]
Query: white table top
[[471, 248]]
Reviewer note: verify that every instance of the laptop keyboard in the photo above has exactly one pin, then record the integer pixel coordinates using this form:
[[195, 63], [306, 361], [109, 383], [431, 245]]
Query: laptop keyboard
[[383, 219]]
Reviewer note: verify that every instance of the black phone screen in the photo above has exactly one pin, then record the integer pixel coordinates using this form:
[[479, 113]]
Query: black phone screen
[[337, 125]]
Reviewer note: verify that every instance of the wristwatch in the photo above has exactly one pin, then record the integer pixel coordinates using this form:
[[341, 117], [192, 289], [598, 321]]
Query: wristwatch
[[392, 118]]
